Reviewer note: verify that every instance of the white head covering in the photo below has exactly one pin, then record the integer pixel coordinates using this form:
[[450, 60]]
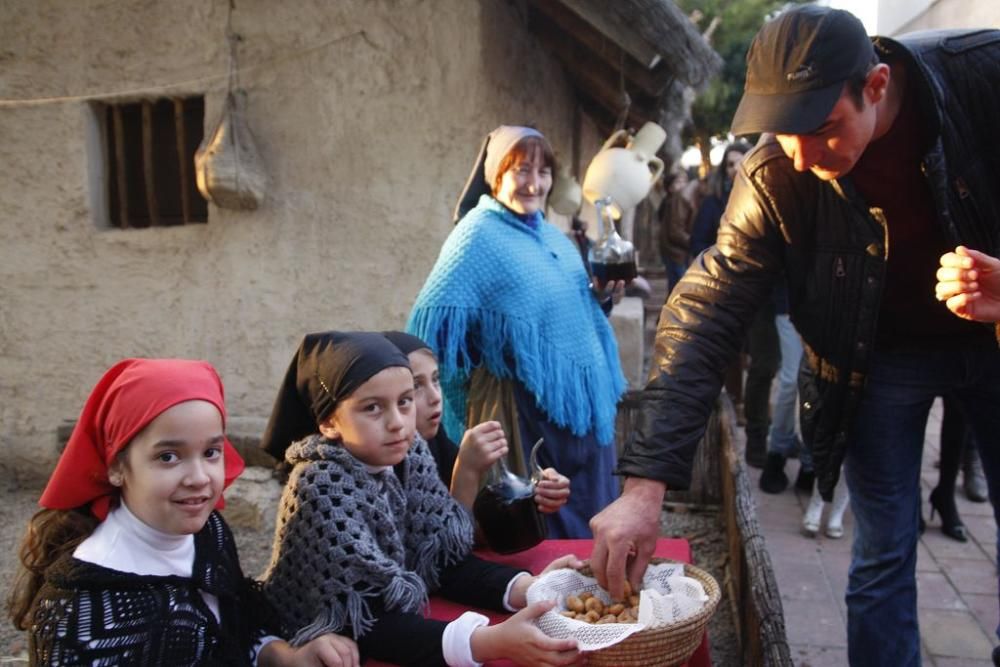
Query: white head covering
[[495, 147]]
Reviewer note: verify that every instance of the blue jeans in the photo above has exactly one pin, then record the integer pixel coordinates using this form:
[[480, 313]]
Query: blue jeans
[[675, 271], [883, 475], [782, 438]]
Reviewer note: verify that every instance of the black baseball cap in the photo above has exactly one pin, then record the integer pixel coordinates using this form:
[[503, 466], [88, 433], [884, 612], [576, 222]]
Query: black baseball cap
[[796, 69]]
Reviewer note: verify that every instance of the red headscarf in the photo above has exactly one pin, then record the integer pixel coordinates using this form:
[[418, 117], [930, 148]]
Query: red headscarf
[[131, 394]]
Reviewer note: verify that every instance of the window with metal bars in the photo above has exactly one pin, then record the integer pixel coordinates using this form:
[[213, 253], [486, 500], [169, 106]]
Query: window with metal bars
[[149, 151]]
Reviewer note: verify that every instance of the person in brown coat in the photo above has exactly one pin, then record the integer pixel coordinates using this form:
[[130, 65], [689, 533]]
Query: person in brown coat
[[676, 215]]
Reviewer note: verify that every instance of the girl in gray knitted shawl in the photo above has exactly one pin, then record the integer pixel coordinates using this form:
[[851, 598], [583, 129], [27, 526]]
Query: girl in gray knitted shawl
[[366, 529]]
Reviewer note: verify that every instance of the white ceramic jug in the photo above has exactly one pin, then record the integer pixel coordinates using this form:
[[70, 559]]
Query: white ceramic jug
[[622, 177]]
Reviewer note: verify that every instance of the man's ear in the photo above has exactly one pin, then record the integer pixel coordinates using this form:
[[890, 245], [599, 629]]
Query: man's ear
[[877, 83]]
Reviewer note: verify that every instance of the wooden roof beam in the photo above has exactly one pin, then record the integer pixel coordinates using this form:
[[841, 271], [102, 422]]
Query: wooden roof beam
[[583, 65], [566, 31], [653, 32], [609, 97]]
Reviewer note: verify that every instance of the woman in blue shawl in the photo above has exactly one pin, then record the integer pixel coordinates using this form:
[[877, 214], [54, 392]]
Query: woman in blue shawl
[[519, 334]]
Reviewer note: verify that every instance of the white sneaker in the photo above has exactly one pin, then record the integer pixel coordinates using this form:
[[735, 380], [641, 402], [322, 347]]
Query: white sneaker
[[813, 515]]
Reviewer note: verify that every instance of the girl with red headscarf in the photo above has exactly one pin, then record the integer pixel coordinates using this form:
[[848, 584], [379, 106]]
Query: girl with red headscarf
[[129, 563]]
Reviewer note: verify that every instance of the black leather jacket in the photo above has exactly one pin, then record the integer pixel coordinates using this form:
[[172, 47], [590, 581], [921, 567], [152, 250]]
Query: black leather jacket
[[832, 248]]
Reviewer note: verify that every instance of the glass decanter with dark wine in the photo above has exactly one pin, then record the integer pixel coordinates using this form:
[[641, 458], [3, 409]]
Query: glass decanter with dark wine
[[505, 508], [612, 258]]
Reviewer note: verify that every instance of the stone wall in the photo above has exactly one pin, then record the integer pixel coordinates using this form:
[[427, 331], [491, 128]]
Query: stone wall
[[368, 115], [902, 16]]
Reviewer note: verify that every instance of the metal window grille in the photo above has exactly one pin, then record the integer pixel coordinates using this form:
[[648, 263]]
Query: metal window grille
[[150, 157]]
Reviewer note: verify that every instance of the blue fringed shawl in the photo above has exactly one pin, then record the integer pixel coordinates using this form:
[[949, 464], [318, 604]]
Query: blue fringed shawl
[[513, 296]]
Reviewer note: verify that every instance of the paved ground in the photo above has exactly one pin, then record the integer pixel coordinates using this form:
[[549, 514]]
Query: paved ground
[[957, 598]]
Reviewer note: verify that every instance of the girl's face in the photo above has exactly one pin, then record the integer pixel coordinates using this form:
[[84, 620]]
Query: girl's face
[[171, 475], [376, 423], [427, 392], [525, 185]]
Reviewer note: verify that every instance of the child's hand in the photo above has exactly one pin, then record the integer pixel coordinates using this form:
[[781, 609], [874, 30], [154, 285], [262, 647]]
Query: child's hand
[[519, 589], [481, 446], [563, 562], [552, 491], [519, 640], [328, 650]]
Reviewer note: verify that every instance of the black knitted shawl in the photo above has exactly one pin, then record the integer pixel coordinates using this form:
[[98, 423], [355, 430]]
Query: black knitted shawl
[[93, 615], [348, 540]]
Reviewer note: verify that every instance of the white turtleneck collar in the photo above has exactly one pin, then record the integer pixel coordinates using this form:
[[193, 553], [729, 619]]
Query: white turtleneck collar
[[123, 542]]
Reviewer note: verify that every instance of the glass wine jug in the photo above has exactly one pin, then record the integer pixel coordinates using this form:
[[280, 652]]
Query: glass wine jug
[[612, 258], [505, 507]]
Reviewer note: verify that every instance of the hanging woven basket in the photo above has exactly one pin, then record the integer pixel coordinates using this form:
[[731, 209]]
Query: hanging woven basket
[[228, 167]]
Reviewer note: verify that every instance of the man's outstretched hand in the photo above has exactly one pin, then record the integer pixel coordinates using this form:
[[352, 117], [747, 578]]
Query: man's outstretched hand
[[625, 534]]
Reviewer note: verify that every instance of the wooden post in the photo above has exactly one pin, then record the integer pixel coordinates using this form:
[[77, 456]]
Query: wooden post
[[577, 140], [147, 162], [119, 130], [182, 158]]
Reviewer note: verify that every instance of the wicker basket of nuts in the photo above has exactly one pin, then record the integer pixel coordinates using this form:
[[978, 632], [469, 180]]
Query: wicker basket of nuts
[[676, 602]]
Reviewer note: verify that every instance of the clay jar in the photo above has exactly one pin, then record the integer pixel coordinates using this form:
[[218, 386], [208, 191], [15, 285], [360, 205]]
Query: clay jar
[[623, 176]]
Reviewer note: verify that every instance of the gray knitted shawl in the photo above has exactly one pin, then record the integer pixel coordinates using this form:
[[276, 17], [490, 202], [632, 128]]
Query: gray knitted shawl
[[346, 536]]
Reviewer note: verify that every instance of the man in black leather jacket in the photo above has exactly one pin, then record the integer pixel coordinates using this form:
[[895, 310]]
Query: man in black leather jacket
[[886, 154]]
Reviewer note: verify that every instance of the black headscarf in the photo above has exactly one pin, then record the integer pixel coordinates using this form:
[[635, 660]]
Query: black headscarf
[[406, 343], [326, 369]]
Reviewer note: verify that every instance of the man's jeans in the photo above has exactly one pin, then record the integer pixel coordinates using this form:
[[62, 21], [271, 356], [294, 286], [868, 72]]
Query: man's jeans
[[782, 439], [883, 475]]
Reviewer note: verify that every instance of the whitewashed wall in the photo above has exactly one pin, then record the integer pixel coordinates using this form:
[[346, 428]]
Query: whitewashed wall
[[368, 115]]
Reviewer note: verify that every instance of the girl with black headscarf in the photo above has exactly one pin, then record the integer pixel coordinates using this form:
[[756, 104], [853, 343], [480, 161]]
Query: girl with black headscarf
[[366, 530]]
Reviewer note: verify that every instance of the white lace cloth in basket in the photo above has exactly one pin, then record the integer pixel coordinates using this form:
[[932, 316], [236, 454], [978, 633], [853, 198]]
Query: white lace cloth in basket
[[667, 597]]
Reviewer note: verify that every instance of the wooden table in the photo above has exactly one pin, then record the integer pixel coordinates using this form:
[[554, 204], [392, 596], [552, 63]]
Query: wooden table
[[535, 560]]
